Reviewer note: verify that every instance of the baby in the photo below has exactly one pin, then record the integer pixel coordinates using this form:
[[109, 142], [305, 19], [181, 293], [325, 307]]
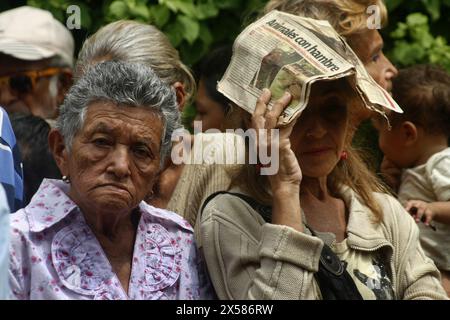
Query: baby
[[416, 160]]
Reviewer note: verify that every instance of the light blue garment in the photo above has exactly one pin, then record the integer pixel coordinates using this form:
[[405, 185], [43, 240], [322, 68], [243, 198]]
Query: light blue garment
[[4, 244], [11, 172]]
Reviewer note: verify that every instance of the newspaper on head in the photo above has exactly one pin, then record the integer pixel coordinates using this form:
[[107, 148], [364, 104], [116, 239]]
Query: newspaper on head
[[284, 52]]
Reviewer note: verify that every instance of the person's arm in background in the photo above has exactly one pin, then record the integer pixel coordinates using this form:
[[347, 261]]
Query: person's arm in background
[[4, 245]]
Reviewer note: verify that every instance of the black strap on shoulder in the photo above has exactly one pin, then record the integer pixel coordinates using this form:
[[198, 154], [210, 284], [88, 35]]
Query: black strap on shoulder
[[334, 281]]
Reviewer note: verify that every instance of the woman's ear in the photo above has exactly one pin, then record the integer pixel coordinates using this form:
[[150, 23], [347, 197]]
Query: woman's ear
[[181, 95], [409, 132], [59, 151]]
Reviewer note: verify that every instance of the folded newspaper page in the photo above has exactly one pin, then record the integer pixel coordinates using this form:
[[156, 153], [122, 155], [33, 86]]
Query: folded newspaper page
[[284, 52]]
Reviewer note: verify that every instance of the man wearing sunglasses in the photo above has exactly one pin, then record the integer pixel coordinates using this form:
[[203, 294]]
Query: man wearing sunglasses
[[36, 58]]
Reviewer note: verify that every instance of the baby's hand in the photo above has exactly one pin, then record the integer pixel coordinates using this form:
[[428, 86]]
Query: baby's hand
[[421, 211]]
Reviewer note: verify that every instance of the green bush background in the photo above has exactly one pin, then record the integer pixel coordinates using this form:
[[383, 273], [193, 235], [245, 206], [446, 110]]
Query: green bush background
[[418, 30]]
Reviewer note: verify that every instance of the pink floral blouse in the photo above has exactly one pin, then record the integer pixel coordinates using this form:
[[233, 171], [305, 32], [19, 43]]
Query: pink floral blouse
[[55, 255]]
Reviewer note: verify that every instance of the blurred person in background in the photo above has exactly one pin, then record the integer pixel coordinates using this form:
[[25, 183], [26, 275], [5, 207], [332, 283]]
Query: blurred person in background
[[36, 57], [211, 106], [32, 137], [11, 173]]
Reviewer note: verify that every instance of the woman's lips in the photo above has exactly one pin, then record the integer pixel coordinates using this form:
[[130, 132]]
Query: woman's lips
[[116, 187], [317, 151]]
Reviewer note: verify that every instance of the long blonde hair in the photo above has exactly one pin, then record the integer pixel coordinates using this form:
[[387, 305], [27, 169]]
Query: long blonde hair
[[347, 17], [133, 41]]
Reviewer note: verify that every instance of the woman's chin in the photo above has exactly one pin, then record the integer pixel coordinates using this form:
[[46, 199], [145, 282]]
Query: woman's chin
[[113, 203], [317, 170]]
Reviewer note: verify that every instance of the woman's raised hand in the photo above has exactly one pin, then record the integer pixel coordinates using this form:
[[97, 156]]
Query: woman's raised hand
[[264, 118], [285, 182]]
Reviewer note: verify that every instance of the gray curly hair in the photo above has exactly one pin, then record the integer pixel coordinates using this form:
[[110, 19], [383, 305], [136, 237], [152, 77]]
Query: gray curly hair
[[123, 84]]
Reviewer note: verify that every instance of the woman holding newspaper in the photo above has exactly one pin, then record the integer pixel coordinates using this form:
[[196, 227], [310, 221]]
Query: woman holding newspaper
[[322, 227], [319, 226]]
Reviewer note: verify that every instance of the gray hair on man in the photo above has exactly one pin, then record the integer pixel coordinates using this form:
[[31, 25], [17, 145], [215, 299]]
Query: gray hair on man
[[123, 84]]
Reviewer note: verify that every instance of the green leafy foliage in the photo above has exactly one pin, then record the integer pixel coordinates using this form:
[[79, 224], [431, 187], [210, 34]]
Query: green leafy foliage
[[414, 43], [193, 26], [419, 32]]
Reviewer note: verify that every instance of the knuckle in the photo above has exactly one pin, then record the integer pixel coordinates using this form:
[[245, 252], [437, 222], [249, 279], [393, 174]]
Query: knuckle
[[271, 116], [260, 100]]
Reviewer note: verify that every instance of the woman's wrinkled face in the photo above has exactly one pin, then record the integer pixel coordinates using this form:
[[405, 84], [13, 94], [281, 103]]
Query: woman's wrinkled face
[[319, 135], [115, 157]]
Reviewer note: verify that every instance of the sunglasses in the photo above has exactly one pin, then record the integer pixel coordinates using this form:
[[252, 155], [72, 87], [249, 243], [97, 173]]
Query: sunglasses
[[24, 82]]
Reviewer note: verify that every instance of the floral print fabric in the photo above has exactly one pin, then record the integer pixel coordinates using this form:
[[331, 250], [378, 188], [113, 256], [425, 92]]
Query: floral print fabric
[[55, 255]]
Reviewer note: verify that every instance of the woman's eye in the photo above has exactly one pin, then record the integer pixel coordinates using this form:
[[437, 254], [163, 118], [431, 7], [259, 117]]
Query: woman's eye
[[101, 142], [375, 58], [142, 152]]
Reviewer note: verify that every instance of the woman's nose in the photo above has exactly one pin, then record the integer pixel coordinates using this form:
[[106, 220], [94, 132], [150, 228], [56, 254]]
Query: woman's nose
[[119, 162], [317, 130], [391, 70]]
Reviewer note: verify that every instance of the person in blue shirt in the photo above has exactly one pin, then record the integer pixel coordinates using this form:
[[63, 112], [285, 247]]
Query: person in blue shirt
[[11, 172]]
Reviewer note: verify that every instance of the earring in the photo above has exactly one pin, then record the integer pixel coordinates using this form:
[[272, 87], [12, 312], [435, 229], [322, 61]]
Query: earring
[[344, 155], [66, 179]]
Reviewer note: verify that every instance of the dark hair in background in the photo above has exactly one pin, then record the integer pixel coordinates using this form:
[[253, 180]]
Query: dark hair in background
[[31, 133], [423, 92], [211, 69]]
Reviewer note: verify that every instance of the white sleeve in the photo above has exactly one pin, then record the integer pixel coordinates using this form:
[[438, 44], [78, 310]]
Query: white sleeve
[[439, 175]]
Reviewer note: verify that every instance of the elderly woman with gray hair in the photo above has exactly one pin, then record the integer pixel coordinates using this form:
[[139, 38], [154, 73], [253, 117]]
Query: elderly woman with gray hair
[[91, 235]]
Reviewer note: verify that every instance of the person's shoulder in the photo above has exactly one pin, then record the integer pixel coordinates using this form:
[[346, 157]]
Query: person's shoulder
[[389, 205], [396, 219], [384, 198], [437, 159], [166, 217], [222, 149], [19, 225], [231, 208]]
